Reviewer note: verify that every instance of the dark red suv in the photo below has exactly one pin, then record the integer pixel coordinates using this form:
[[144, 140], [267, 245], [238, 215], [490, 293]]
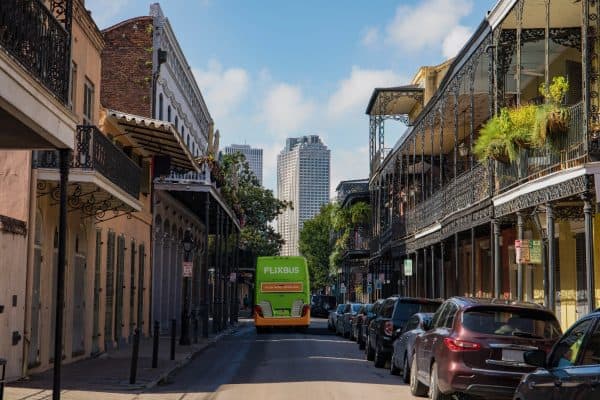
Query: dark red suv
[[476, 347]]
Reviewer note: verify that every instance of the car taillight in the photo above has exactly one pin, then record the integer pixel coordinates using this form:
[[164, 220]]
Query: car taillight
[[461, 345], [388, 328], [258, 311], [305, 309]]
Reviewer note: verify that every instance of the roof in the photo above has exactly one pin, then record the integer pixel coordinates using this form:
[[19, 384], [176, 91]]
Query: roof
[[155, 137], [475, 301], [405, 99]]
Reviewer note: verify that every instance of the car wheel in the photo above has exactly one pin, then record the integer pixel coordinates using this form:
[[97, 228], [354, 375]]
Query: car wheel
[[416, 387], [370, 351], [434, 390], [405, 369], [394, 370], [379, 360]]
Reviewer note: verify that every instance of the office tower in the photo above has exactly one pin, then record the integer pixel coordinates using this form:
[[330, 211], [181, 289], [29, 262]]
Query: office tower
[[253, 156], [303, 179]]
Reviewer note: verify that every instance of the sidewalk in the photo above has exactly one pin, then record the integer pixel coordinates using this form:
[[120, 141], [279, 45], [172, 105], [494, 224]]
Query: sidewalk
[[109, 372]]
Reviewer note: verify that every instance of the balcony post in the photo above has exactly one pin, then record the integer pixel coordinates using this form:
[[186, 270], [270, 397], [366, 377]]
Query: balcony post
[[416, 273], [456, 264], [64, 160], [204, 284], [472, 277], [551, 260], [432, 271], [520, 225], [589, 250], [497, 266], [442, 271]]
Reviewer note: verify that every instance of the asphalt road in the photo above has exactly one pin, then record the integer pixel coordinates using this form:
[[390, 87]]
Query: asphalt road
[[282, 365]]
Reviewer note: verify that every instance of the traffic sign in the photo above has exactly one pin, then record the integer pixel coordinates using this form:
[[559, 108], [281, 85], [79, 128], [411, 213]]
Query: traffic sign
[[188, 266], [408, 269]]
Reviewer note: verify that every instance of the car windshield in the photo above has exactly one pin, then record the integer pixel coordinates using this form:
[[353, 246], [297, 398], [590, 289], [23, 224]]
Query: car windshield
[[356, 307], [404, 309], [511, 322], [340, 308], [368, 308]]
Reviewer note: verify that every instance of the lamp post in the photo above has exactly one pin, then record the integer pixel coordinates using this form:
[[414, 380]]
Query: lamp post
[[188, 246]]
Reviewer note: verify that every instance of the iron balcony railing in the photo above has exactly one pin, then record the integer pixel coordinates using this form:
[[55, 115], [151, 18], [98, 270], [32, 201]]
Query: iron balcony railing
[[31, 34], [569, 151], [359, 241], [94, 151]]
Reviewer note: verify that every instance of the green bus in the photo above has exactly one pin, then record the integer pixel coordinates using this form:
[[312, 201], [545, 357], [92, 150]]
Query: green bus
[[282, 292]]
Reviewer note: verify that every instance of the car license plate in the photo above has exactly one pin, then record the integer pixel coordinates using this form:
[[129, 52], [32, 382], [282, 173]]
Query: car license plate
[[512, 355]]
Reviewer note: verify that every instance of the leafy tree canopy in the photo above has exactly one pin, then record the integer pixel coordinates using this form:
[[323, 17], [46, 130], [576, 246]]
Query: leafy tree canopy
[[316, 246]]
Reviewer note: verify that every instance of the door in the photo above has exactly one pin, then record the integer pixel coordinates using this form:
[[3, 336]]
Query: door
[[110, 289], [54, 292], [132, 288], [141, 288], [119, 289], [79, 268], [34, 338], [96, 322]]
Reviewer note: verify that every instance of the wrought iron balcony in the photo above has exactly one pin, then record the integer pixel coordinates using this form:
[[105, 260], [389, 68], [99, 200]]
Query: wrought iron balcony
[[31, 34], [569, 151], [95, 152]]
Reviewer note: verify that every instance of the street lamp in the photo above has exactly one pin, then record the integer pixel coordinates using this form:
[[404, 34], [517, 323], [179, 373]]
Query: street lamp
[[188, 246]]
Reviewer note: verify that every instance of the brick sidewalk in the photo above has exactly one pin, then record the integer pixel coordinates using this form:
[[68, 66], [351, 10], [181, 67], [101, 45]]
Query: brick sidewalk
[[109, 373]]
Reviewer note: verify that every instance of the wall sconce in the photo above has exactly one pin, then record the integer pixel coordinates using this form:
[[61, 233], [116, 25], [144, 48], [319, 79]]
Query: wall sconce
[[539, 218]]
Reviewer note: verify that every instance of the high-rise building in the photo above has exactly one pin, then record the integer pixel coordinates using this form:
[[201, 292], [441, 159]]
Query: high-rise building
[[303, 179], [253, 156]]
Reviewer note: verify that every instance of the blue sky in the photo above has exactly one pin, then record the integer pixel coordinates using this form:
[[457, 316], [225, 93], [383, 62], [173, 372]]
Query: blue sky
[[275, 69]]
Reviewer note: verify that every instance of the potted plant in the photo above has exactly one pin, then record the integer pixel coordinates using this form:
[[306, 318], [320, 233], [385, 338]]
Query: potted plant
[[495, 140], [552, 118]]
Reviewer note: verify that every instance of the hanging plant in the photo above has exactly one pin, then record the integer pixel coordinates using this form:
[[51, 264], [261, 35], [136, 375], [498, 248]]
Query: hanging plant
[[494, 141], [552, 118]]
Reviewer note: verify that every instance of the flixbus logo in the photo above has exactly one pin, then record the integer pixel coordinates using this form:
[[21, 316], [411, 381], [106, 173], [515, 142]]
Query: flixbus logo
[[281, 270]]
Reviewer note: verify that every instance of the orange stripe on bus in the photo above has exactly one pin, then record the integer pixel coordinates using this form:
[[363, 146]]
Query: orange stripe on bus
[[280, 287]]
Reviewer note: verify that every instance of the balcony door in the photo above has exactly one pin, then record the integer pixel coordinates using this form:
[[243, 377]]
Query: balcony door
[[34, 344], [79, 274]]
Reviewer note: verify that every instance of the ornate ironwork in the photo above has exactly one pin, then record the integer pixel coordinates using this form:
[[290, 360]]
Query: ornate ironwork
[[551, 193], [467, 220], [31, 34], [94, 151], [11, 225]]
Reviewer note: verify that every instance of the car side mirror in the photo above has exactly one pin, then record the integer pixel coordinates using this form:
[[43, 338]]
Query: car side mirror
[[537, 358]]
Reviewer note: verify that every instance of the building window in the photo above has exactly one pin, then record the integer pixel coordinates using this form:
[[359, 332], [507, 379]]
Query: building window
[[88, 102], [169, 113], [176, 123], [160, 106], [188, 142], [73, 85]]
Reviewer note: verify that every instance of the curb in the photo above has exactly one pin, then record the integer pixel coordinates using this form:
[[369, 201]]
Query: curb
[[164, 377]]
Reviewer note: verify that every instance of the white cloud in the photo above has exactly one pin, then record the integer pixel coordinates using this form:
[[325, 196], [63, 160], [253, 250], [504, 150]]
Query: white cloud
[[285, 110], [348, 164], [354, 92], [455, 40], [426, 24], [370, 37], [223, 89]]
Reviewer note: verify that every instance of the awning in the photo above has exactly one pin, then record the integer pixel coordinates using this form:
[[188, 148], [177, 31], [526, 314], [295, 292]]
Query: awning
[[155, 138], [398, 100]]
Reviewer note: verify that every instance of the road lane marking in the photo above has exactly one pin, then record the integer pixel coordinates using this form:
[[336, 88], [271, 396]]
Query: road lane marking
[[305, 340], [337, 358]]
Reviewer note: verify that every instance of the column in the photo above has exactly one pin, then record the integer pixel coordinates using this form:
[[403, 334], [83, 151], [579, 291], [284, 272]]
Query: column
[[432, 271], [520, 225], [442, 271], [551, 260], [589, 250], [497, 266], [456, 264], [204, 282], [416, 274], [472, 277]]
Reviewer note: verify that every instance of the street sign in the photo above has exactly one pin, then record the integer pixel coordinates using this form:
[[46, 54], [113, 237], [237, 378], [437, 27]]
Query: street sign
[[528, 251], [187, 269], [342, 289], [408, 269], [369, 277], [378, 284], [369, 288], [232, 277]]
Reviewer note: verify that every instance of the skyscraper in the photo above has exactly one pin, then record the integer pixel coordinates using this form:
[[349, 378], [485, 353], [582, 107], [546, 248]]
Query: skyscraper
[[303, 179], [253, 156]]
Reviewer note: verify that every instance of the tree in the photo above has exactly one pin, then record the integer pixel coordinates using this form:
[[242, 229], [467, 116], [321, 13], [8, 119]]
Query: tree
[[316, 246], [255, 206]]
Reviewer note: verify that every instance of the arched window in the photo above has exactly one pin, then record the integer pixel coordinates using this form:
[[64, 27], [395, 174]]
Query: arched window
[[160, 106]]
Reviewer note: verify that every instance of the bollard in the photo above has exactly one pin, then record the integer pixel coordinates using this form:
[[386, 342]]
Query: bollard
[[134, 356], [2, 377], [155, 339], [173, 335]]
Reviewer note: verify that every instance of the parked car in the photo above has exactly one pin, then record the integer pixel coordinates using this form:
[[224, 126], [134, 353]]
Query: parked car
[[345, 321], [366, 320], [571, 370], [333, 316], [404, 343], [476, 347], [321, 305], [395, 311], [358, 320]]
